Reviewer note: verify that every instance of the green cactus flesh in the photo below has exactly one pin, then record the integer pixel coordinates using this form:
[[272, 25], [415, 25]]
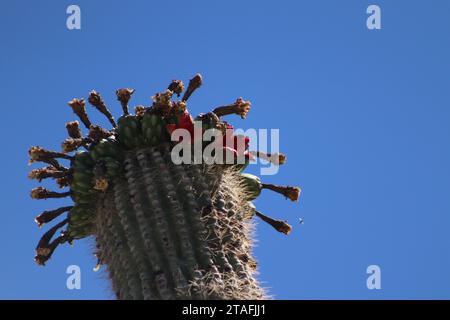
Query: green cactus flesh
[[164, 231]]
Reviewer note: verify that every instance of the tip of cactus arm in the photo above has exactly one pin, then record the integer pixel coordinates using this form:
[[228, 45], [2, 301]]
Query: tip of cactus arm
[[98, 158]]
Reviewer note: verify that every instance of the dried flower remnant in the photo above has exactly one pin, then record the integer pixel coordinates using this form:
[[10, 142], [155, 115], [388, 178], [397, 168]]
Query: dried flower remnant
[[194, 84], [124, 96], [239, 107], [73, 129], [96, 100], [176, 86], [79, 108]]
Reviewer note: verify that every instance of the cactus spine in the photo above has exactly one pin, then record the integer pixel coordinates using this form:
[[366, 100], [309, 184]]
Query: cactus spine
[[164, 231]]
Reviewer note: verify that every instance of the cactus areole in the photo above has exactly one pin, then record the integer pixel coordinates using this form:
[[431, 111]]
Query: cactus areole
[[163, 230]]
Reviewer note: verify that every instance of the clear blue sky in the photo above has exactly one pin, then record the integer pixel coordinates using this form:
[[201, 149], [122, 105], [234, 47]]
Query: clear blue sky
[[364, 117]]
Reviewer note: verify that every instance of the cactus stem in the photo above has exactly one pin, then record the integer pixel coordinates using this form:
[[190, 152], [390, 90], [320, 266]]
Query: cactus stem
[[172, 204], [293, 193], [133, 224], [109, 240], [194, 84], [147, 196], [96, 100], [278, 225]]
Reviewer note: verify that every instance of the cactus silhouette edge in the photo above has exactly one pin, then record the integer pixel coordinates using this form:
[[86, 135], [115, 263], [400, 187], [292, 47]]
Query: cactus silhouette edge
[[163, 230]]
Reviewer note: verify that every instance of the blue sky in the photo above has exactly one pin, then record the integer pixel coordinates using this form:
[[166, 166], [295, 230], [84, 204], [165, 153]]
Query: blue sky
[[363, 116]]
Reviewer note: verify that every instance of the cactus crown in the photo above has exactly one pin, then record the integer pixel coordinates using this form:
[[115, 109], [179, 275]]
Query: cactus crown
[[126, 190]]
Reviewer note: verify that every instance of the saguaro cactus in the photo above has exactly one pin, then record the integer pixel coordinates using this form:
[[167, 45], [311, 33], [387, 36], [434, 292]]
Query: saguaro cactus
[[163, 230]]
